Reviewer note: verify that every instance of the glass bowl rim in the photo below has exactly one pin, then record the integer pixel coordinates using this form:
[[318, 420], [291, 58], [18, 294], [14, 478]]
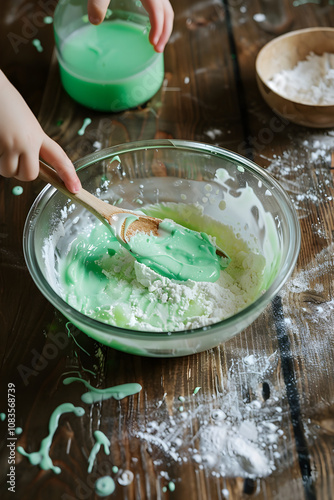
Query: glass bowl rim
[[193, 146]]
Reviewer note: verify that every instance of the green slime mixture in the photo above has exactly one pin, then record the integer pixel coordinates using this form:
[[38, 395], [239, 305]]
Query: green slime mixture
[[177, 253], [98, 277]]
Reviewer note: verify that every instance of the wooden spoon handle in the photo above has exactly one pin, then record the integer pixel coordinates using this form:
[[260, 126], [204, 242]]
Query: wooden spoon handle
[[102, 210], [98, 207]]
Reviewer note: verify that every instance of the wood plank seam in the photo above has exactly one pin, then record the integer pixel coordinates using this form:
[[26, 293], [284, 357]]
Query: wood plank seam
[[293, 398]]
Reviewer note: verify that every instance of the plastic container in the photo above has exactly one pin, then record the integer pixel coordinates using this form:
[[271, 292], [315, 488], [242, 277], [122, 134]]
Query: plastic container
[[112, 66]]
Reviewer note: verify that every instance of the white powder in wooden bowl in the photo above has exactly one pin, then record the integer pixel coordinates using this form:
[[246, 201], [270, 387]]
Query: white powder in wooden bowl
[[310, 82]]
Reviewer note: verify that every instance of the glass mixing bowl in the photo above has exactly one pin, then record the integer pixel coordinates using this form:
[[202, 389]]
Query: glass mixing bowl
[[230, 188]]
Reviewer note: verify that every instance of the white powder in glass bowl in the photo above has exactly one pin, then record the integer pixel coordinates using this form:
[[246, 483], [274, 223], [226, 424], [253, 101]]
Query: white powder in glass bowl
[[310, 82]]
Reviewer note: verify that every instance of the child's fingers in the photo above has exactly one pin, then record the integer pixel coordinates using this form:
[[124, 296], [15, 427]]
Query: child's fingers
[[161, 18], [97, 10], [9, 164], [156, 15], [167, 28], [27, 168], [160, 13], [53, 154]]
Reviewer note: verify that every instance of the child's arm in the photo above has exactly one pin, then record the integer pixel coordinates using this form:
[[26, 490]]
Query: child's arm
[[160, 13], [22, 141]]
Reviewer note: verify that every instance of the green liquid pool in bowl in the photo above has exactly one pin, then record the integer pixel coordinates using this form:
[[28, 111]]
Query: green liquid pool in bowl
[[110, 67]]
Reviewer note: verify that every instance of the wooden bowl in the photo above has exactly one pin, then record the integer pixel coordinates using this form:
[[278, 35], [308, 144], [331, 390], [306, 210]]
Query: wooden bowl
[[283, 53]]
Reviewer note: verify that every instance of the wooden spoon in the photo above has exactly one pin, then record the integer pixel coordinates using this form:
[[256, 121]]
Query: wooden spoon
[[104, 211]]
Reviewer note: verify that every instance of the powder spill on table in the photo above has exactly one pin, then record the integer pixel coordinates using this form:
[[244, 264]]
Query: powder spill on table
[[225, 435], [296, 172]]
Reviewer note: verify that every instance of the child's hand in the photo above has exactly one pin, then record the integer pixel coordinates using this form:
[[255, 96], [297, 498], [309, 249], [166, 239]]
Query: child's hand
[[160, 13], [23, 142]]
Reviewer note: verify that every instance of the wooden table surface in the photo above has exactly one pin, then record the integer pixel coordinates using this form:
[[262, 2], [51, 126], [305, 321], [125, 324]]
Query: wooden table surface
[[261, 426]]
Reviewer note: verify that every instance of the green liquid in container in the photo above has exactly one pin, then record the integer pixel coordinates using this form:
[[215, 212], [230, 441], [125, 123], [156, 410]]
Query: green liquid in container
[[110, 67]]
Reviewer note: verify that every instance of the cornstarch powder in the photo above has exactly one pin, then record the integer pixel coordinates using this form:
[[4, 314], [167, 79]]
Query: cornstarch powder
[[310, 82]]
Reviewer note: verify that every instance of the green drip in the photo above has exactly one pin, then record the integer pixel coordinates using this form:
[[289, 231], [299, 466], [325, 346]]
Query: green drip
[[115, 158], [196, 390], [138, 200], [2, 416], [171, 486], [87, 121], [104, 486], [101, 440], [70, 334], [42, 457], [95, 395], [89, 371], [115, 469], [297, 3], [118, 202], [17, 190], [37, 43], [18, 431]]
